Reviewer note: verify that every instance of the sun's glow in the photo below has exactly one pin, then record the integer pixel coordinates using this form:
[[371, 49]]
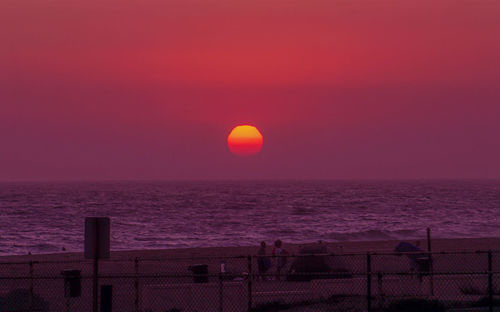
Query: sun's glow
[[245, 140]]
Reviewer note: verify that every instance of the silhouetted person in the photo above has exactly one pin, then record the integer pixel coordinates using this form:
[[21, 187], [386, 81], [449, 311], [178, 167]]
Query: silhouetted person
[[280, 259], [262, 261], [322, 247]]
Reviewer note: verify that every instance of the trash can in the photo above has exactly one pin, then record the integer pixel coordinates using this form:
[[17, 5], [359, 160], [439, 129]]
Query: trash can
[[423, 264], [200, 273], [72, 283]]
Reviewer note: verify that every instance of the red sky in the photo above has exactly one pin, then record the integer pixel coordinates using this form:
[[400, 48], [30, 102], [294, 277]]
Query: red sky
[[339, 89]]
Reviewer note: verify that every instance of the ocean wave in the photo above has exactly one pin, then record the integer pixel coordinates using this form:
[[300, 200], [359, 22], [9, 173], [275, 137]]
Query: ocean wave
[[44, 217], [372, 235]]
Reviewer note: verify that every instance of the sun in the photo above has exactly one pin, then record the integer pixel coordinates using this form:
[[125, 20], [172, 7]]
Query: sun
[[245, 140]]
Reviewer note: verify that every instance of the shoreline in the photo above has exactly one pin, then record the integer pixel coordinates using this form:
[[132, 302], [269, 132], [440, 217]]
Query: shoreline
[[345, 247]]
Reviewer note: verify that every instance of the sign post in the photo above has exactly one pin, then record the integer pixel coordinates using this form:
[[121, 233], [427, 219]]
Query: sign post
[[96, 247]]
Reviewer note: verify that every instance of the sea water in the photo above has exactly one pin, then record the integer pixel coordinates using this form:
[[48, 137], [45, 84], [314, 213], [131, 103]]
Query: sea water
[[49, 217]]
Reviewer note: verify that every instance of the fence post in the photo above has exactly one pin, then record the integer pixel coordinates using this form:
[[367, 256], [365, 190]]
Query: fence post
[[431, 266], [31, 287], [221, 293], [250, 277], [368, 282], [380, 290], [136, 284], [95, 286], [490, 281]]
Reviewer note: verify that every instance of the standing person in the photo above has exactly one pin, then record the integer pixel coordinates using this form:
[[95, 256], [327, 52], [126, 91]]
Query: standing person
[[280, 259], [263, 262]]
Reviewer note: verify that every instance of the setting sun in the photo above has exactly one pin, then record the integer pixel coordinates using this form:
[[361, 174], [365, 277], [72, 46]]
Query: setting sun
[[245, 140]]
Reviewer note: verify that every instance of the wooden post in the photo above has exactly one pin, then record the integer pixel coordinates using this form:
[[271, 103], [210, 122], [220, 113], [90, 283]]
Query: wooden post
[[136, 284], [95, 282], [381, 299], [96, 247], [368, 282], [250, 277], [490, 281], [95, 286], [221, 293], [431, 270], [31, 287]]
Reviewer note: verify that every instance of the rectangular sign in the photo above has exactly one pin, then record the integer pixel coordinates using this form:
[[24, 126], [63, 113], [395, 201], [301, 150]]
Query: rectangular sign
[[97, 238]]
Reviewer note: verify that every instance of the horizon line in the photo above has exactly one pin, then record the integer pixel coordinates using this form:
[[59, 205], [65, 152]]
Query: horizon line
[[430, 179]]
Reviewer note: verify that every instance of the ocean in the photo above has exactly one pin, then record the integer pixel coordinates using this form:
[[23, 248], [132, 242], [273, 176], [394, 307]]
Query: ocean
[[47, 217]]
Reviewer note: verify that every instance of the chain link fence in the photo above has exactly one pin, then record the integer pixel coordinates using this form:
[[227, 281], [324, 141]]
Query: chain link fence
[[460, 281]]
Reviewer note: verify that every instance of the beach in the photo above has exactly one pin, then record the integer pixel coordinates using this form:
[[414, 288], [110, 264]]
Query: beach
[[164, 280], [438, 245]]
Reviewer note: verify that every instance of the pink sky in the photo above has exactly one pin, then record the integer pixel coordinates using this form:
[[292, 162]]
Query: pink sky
[[339, 89]]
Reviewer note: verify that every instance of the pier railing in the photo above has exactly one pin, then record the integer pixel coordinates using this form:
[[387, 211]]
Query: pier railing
[[436, 281]]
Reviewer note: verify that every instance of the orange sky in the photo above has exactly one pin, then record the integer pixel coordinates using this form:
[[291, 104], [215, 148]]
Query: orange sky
[[361, 88], [333, 43]]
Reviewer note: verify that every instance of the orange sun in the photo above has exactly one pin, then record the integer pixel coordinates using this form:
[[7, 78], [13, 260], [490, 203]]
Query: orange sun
[[245, 140]]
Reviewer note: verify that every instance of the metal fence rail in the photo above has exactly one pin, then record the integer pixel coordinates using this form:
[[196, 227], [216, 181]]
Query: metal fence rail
[[301, 282]]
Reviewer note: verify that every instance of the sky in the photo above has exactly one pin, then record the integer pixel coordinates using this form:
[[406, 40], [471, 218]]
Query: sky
[[340, 89]]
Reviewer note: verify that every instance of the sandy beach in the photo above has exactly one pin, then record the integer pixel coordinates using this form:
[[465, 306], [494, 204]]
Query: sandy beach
[[438, 245], [165, 282]]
